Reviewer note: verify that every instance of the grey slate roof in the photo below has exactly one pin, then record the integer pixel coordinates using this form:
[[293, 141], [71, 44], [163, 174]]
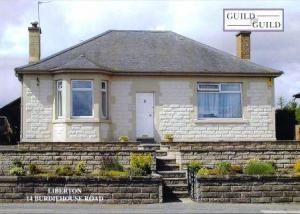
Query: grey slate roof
[[146, 51]]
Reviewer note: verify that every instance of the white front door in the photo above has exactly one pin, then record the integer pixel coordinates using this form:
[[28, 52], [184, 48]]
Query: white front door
[[144, 115]]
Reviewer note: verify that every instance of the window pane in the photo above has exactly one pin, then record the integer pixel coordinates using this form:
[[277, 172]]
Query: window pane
[[59, 85], [219, 105], [104, 104], [103, 85], [208, 87], [82, 102], [230, 105], [59, 104], [208, 105], [81, 84], [230, 87]]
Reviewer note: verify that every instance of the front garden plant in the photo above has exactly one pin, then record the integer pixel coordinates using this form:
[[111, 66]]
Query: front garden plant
[[252, 167], [140, 165]]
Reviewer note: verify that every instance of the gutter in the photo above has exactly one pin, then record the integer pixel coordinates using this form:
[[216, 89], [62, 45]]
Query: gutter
[[150, 73]]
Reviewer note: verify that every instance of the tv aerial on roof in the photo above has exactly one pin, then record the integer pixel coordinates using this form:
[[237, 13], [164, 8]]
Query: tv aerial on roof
[[41, 2]]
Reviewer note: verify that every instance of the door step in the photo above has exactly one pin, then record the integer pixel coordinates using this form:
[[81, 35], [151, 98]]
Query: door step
[[146, 140]]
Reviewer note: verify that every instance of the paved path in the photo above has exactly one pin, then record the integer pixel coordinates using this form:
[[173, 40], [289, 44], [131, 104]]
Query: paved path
[[176, 207]]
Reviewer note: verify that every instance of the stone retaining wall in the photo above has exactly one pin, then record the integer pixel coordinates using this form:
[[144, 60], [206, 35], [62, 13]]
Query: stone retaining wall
[[115, 190], [283, 153], [248, 189], [48, 155]]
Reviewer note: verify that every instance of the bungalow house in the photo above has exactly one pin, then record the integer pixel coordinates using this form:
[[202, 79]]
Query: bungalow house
[[145, 84]]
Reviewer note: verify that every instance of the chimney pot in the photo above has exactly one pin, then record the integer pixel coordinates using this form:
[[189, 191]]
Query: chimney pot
[[34, 42], [243, 44], [34, 24]]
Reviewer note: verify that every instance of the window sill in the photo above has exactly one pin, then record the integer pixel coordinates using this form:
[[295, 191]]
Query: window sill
[[80, 120], [105, 121], [222, 121]]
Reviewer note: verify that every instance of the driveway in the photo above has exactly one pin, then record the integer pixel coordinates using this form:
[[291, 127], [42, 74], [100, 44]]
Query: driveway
[[177, 207]]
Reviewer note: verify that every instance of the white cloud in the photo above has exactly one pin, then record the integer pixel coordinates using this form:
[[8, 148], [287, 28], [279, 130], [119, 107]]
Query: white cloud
[[13, 41]]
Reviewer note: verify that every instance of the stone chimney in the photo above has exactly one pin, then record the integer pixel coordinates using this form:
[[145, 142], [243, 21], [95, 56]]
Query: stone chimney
[[243, 45], [34, 42]]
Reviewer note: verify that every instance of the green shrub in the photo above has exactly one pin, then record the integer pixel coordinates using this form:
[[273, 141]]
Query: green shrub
[[33, 169], [223, 168], [142, 162], [169, 137], [64, 171], [236, 169], [297, 167], [109, 173], [46, 174], [195, 165], [136, 172], [18, 171], [123, 138], [203, 171], [257, 167], [111, 163], [80, 168], [297, 113], [17, 168], [17, 163]]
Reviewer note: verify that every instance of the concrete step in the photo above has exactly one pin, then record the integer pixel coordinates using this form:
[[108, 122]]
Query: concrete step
[[166, 160], [169, 181], [181, 194], [161, 153], [172, 174], [167, 167], [170, 194], [178, 187], [164, 147], [147, 141]]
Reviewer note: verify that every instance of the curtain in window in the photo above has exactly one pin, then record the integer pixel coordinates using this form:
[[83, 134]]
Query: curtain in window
[[230, 105], [219, 105]]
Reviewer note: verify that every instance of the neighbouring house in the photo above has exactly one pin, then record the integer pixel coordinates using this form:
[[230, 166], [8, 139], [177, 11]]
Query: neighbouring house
[[145, 84], [12, 111], [296, 96]]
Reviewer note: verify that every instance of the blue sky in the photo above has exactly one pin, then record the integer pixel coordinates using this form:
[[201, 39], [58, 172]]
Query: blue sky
[[68, 22]]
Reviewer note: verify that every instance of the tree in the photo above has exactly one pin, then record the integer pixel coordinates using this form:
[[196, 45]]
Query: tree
[[291, 105], [281, 102]]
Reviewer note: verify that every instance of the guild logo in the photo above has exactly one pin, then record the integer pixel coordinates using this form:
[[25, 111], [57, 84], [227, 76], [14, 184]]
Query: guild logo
[[253, 19]]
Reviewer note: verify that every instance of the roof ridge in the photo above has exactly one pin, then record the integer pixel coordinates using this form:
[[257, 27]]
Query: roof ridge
[[86, 41], [80, 57]]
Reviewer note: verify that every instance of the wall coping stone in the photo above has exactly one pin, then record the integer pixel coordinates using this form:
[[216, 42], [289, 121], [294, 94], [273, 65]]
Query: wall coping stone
[[82, 146], [63, 179], [247, 178], [176, 143]]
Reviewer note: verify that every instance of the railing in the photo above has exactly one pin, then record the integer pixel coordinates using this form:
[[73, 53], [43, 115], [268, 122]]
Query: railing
[[191, 175]]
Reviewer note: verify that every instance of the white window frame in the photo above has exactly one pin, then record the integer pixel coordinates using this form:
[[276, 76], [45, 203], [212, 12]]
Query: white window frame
[[220, 91], [59, 105], [106, 91], [82, 89]]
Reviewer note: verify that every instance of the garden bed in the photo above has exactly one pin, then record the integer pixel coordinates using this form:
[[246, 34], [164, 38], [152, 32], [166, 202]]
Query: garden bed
[[81, 189], [247, 189]]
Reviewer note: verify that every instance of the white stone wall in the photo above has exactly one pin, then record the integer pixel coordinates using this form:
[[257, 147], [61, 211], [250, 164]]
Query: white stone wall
[[122, 110], [105, 131], [82, 131], [181, 119], [37, 109], [59, 132]]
